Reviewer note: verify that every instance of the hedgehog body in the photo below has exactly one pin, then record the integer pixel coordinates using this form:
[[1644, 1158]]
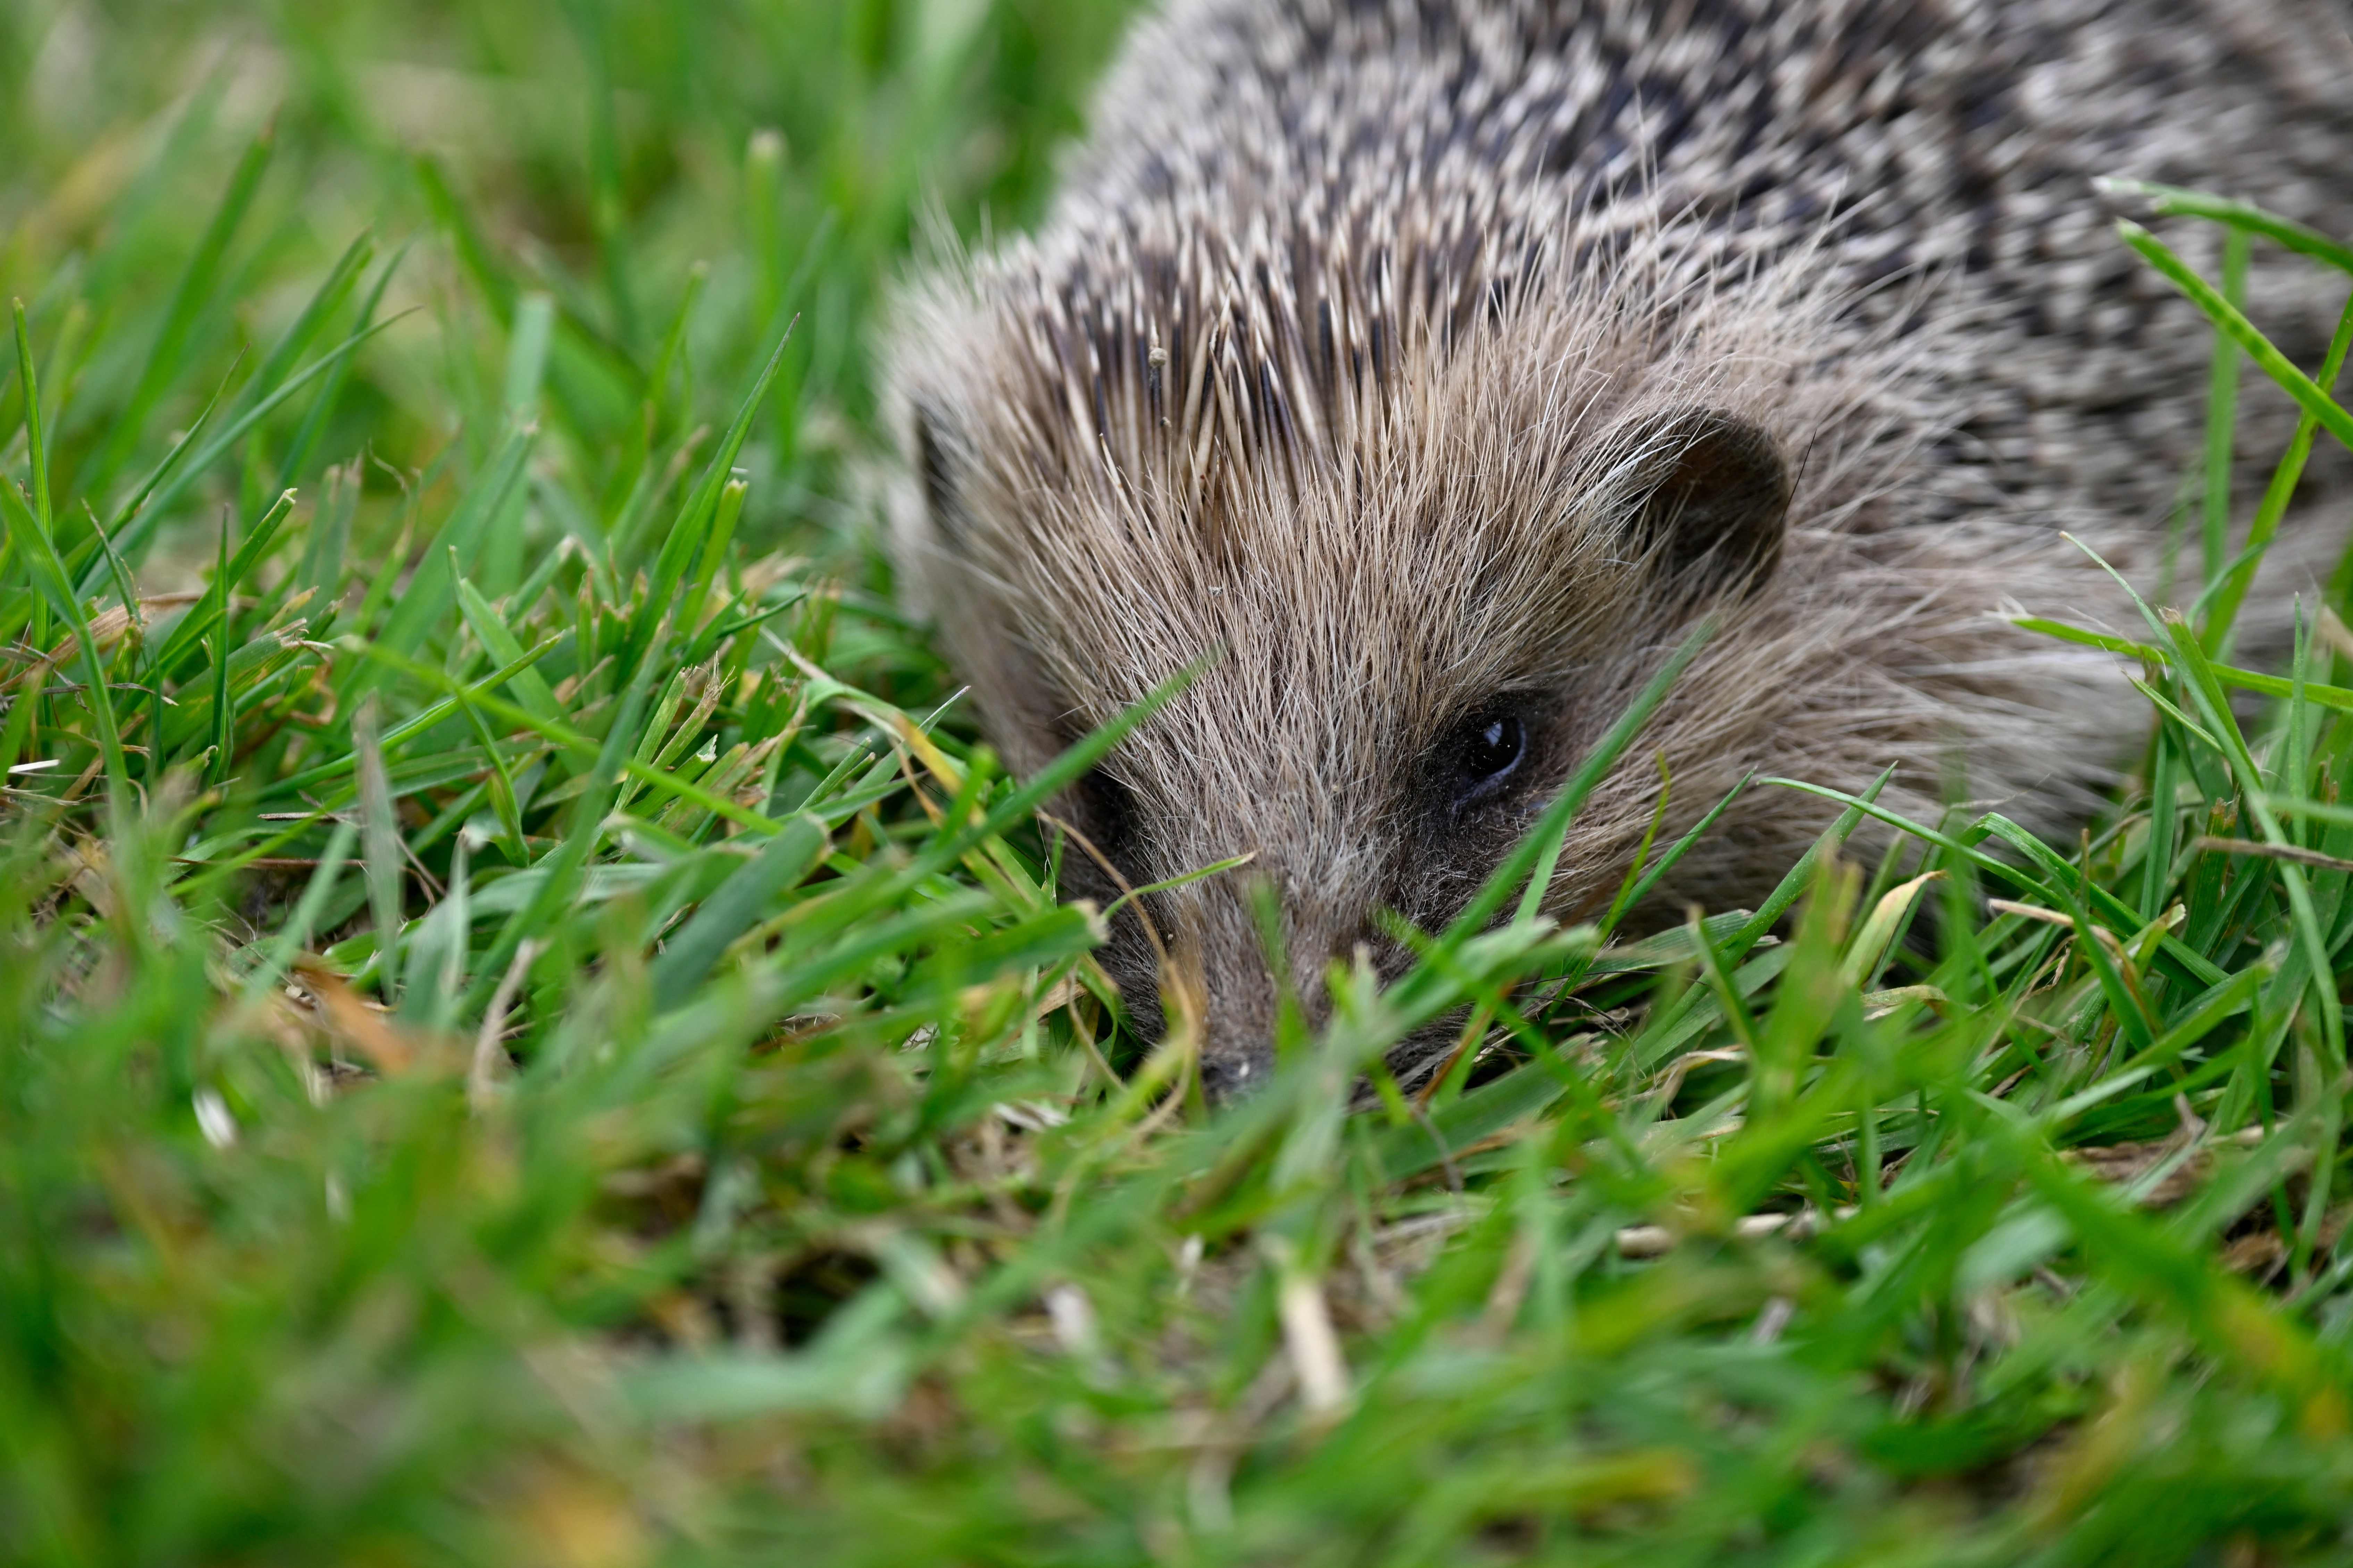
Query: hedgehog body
[[1429, 367]]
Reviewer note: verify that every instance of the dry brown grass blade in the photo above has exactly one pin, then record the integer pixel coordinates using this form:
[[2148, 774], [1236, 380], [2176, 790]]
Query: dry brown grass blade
[[367, 1029]]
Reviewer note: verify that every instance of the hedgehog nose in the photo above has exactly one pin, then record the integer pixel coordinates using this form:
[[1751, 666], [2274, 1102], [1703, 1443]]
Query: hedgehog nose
[[1236, 1030], [1238, 1049], [1230, 1077], [1219, 967]]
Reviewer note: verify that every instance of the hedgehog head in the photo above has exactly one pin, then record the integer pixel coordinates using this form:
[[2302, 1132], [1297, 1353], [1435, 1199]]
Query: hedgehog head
[[1422, 560]]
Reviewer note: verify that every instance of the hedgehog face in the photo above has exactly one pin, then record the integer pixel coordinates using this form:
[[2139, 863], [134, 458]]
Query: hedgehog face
[[1406, 655]]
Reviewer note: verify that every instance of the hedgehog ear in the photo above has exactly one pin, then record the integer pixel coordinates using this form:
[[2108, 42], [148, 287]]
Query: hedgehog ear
[[934, 467], [1715, 499]]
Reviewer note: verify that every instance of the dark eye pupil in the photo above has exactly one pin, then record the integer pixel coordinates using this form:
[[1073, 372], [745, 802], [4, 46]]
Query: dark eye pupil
[[1493, 750]]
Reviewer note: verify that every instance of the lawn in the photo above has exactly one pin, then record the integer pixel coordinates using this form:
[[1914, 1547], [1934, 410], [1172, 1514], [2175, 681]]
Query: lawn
[[533, 1031]]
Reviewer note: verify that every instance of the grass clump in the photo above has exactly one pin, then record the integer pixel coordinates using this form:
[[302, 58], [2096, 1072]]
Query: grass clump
[[530, 1030]]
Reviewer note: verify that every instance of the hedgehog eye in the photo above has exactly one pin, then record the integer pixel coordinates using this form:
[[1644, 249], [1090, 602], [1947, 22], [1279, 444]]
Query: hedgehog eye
[[1487, 752], [1108, 806]]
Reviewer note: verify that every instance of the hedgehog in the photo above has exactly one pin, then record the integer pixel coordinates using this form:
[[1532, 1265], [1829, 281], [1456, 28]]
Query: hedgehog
[[1422, 371]]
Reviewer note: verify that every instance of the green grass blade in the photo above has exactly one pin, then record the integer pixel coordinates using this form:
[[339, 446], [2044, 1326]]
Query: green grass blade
[[36, 447], [49, 580], [139, 515], [2221, 408], [197, 286], [2230, 592], [2226, 316], [688, 534], [2175, 202], [740, 904], [484, 505], [2206, 690]]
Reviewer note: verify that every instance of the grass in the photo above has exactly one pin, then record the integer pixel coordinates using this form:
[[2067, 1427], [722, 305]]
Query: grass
[[530, 1030]]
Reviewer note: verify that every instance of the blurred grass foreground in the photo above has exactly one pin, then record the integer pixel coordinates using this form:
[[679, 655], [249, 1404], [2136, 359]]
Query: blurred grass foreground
[[530, 1030]]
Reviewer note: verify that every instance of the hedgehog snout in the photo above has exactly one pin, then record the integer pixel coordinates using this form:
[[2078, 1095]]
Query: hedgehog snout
[[1238, 999]]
